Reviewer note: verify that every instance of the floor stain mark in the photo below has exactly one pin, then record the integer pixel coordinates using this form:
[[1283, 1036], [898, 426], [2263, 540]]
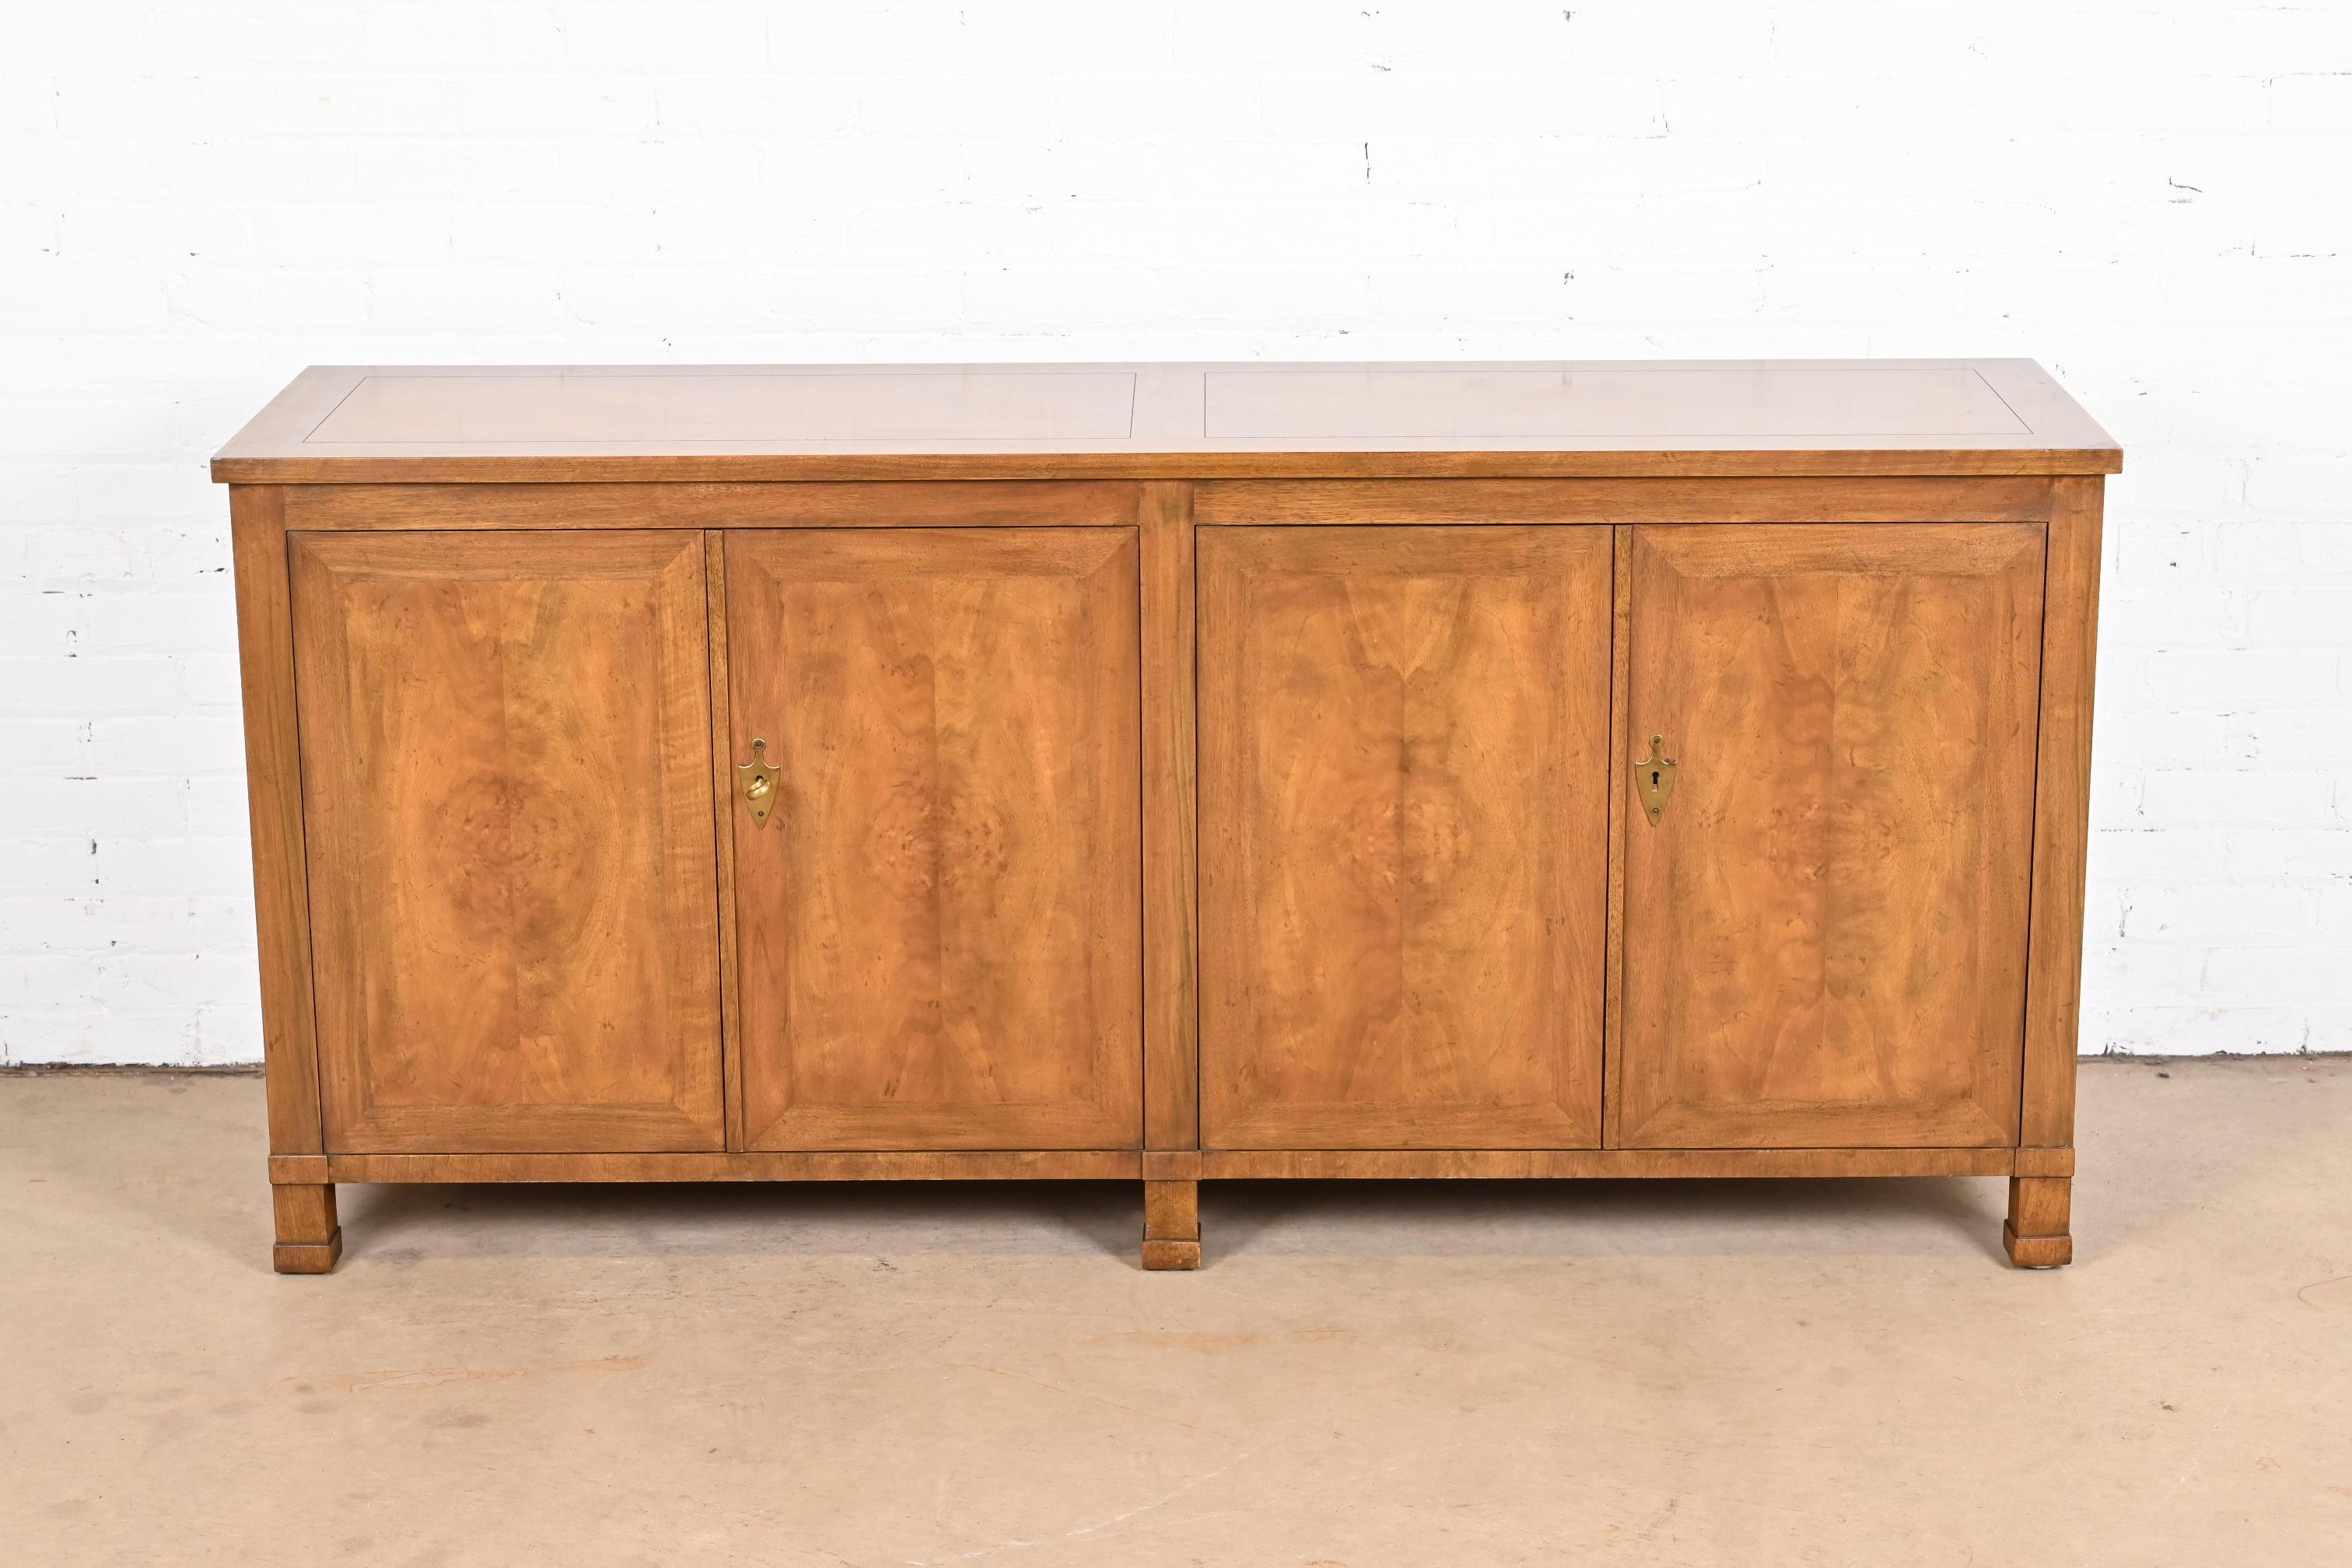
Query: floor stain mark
[[443, 1376], [2335, 1295]]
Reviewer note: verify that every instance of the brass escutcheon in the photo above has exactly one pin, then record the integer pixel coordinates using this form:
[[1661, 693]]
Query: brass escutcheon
[[760, 783], [1653, 777]]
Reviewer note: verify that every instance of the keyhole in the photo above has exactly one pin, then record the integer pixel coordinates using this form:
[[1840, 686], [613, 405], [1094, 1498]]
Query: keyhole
[[1654, 778]]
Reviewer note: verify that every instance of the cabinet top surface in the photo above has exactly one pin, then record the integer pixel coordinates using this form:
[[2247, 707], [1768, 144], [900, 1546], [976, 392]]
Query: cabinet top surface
[[418, 423]]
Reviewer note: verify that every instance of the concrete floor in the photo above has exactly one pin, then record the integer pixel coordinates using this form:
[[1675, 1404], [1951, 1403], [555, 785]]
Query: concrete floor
[[1431, 1375]]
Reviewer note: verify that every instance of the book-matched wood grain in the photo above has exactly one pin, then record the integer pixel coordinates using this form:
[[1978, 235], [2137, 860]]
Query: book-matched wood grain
[[508, 795], [1825, 932], [1171, 888], [1412, 623], [273, 785], [938, 930], [1404, 835]]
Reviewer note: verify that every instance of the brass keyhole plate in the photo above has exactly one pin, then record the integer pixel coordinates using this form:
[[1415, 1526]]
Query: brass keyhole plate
[[1654, 779], [758, 778]]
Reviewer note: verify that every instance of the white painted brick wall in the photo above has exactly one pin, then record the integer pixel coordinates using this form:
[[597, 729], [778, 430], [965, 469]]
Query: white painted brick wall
[[2155, 199]]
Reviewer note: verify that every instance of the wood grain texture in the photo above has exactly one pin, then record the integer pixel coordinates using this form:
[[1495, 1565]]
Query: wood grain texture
[[1172, 1224], [1404, 835], [309, 1239], [1172, 1210], [515, 924], [1087, 465], [724, 406], [1825, 935], [722, 828], [1088, 503], [2044, 1161], [1214, 1164], [1778, 406], [1020, 468], [1171, 1114], [1394, 1164], [2038, 1233], [2036, 1251], [1388, 503], [749, 1165], [509, 802], [376, 507], [685, 424], [1621, 810], [273, 784], [2041, 1205], [940, 930], [2061, 817], [297, 1170]]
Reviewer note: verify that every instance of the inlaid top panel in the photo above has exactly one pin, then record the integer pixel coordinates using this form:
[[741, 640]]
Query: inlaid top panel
[[1572, 405], [1173, 421], [619, 408]]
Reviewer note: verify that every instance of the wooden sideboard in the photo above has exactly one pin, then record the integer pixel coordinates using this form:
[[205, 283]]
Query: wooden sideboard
[[1168, 772]]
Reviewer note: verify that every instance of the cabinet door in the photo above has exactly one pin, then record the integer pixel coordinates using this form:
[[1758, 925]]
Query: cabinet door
[[1404, 835], [940, 940], [1825, 927], [507, 802]]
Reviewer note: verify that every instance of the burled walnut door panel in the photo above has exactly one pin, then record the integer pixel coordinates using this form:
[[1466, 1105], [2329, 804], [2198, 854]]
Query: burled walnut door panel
[[1404, 835], [939, 929], [1825, 930], [507, 802]]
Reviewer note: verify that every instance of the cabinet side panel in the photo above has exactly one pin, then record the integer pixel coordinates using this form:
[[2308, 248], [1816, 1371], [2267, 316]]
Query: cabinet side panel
[[273, 782], [1170, 1028], [508, 793], [2070, 645]]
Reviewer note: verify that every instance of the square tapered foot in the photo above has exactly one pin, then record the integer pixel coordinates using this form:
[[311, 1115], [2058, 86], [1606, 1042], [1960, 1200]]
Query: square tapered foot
[[307, 1256], [2038, 1233], [1172, 1224], [309, 1239], [2037, 1251]]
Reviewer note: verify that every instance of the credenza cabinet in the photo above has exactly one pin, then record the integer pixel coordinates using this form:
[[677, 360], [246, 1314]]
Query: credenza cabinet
[[1168, 774]]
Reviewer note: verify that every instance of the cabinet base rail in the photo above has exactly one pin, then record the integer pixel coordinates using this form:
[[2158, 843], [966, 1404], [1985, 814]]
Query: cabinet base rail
[[2035, 1235]]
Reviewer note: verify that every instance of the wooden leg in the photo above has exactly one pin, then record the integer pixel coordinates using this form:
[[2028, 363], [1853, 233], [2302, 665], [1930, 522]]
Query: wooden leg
[[1172, 1224], [309, 1239], [2037, 1234]]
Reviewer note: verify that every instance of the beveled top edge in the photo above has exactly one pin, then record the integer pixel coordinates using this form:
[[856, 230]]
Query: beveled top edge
[[1288, 420]]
